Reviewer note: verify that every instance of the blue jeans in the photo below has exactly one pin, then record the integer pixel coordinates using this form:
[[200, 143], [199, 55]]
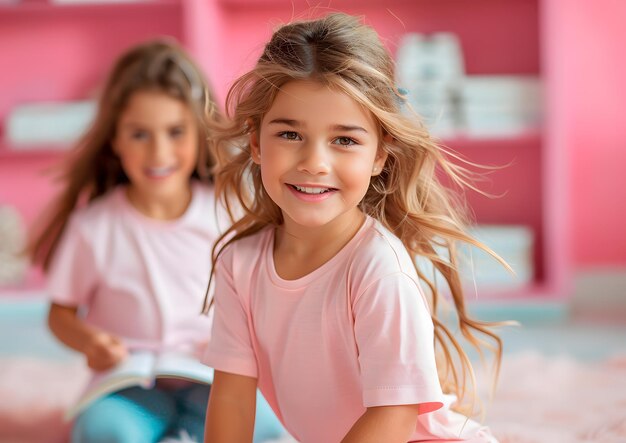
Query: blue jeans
[[148, 415]]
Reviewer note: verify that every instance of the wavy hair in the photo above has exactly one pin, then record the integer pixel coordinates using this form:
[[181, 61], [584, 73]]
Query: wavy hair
[[408, 197], [92, 169]]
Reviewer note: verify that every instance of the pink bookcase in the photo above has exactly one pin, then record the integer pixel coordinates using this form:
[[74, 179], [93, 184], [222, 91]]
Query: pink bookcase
[[62, 52]]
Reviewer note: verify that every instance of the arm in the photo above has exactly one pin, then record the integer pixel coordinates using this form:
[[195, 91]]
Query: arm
[[232, 404], [102, 350], [384, 423]]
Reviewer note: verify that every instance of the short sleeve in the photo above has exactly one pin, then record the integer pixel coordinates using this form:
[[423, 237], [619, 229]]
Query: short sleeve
[[73, 275], [230, 347], [395, 339]]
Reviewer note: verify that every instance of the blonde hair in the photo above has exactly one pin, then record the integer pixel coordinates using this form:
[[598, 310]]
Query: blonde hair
[[407, 197], [93, 168]]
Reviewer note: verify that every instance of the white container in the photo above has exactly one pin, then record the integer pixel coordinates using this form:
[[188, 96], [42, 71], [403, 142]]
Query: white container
[[423, 57], [500, 106], [524, 90], [433, 101], [513, 243], [429, 67], [485, 121], [51, 124]]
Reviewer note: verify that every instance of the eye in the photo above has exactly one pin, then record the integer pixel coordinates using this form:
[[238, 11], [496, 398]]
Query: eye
[[177, 132], [289, 135], [139, 135], [345, 141]]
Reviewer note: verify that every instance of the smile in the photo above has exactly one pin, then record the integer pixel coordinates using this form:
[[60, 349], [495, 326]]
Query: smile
[[159, 172], [311, 190], [311, 194]]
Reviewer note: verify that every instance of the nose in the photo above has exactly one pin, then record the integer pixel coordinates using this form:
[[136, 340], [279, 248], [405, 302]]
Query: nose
[[161, 149], [315, 159]]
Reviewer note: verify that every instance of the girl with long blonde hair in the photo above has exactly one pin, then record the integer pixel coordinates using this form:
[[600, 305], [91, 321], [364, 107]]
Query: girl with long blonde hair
[[318, 299]]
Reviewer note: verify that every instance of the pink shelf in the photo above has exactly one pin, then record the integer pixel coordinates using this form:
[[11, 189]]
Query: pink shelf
[[64, 52], [10, 154], [49, 8], [13, 156], [497, 36], [514, 141], [69, 48]]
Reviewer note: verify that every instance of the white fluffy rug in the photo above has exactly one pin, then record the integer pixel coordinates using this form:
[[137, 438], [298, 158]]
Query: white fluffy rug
[[559, 400], [539, 400]]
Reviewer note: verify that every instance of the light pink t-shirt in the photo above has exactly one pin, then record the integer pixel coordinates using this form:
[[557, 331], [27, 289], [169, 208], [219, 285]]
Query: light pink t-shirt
[[354, 333], [139, 278]]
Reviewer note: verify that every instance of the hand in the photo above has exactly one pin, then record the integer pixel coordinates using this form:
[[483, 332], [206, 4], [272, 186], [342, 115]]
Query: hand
[[104, 351]]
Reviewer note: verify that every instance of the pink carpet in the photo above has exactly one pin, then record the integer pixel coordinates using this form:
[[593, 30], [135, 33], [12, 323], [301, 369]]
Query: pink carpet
[[559, 400], [539, 400], [37, 391]]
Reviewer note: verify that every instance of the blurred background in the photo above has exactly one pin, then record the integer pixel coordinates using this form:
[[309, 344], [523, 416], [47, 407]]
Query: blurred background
[[531, 84]]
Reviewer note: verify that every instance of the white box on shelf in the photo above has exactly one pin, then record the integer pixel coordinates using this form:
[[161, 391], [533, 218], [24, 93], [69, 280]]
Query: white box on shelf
[[513, 243], [523, 89], [59, 124], [434, 102], [500, 105], [498, 121], [435, 56], [429, 67]]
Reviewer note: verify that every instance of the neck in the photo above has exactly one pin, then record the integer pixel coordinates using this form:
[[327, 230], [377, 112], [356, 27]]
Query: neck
[[299, 250], [160, 207]]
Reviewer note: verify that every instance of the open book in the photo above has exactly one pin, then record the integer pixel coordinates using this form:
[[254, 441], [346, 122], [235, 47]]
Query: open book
[[141, 368]]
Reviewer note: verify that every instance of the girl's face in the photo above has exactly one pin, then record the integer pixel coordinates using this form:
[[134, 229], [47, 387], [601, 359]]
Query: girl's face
[[157, 142], [318, 149]]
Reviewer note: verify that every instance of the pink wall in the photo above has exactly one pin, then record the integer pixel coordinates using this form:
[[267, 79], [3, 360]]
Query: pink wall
[[588, 41], [62, 53], [576, 47]]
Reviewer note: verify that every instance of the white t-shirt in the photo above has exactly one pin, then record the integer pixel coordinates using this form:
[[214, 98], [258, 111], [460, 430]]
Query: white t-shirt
[[354, 333], [139, 278]]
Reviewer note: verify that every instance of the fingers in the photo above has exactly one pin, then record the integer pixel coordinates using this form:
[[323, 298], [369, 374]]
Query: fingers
[[105, 351]]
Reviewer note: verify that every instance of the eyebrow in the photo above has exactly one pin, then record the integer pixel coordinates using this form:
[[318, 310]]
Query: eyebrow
[[284, 121], [349, 128], [296, 124]]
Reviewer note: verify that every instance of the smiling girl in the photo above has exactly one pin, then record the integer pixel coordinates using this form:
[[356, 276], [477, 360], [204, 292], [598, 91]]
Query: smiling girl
[[318, 300], [126, 245]]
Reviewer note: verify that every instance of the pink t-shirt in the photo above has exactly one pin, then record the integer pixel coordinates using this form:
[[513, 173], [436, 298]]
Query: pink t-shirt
[[139, 278], [354, 333]]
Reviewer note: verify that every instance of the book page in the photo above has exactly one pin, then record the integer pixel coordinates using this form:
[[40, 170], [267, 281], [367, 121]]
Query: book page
[[176, 365], [135, 370]]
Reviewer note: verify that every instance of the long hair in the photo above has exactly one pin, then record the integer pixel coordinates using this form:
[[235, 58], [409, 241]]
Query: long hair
[[92, 169], [408, 197]]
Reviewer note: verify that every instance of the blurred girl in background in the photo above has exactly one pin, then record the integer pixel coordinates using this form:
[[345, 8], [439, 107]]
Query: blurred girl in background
[[126, 245]]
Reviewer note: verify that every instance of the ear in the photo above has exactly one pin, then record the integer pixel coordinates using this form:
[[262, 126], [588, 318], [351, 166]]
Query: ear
[[381, 156], [255, 148]]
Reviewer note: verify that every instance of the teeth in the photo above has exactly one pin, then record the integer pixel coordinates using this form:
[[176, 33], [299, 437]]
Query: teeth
[[307, 190], [159, 171]]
